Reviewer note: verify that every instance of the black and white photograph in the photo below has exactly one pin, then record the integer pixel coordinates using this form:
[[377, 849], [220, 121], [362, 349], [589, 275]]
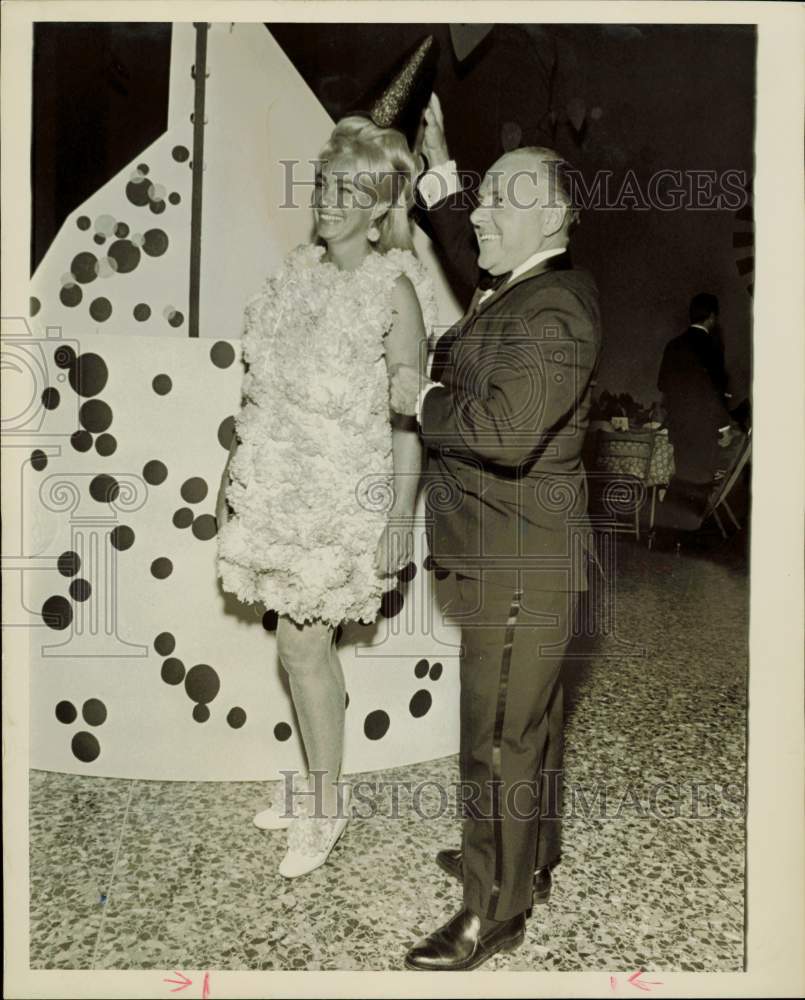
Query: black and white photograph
[[402, 480]]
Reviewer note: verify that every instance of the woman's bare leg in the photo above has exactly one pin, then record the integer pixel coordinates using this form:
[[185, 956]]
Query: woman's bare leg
[[317, 687]]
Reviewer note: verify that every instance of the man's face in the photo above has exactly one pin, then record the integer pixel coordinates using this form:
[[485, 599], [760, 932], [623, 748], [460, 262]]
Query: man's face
[[512, 220]]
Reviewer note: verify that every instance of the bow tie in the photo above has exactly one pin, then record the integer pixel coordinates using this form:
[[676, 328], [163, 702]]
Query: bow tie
[[491, 282]]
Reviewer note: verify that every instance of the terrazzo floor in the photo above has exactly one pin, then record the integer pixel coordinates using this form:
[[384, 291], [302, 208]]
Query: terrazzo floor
[[143, 874]]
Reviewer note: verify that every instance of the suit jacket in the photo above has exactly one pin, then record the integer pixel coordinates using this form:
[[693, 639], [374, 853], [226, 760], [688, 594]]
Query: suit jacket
[[693, 379], [504, 479]]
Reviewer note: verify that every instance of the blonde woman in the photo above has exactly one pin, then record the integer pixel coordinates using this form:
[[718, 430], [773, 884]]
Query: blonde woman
[[322, 476]]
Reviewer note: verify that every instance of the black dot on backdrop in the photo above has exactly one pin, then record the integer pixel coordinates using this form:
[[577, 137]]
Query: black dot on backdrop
[[194, 490], [391, 603], [174, 197], [121, 537], [64, 356], [180, 153], [95, 415], [68, 563], [143, 168], [50, 398], [66, 712], [428, 562], [161, 568], [83, 267], [176, 318], [70, 295], [436, 671], [86, 747], [88, 374], [83, 222], [57, 612], [121, 230], [165, 643], [94, 712], [236, 717], [137, 192], [155, 472], [142, 312], [100, 309], [270, 621], [420, 703], [157, 207], [441, 574], [346, 700], [39, 459], [421, 669], [376, 724], [202, 683], [99, 238], [34, 305], [183, 517], [81, 440], [201, 713], [407, 573], [226, 430], [125, 254], [104, 488], [205, 527], [106, 444], [80, 590], [173, 671], [282, 732], [155, 242], [162, 384], [222, 354]]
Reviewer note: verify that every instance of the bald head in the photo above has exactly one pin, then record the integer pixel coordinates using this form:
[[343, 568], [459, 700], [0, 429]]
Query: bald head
[[523, 208]]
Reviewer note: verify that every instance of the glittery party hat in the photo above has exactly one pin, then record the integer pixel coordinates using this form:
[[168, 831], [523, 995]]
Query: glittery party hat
[[389, 110]]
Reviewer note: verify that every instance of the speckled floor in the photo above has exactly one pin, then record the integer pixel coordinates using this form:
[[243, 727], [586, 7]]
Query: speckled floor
[[139, 874]]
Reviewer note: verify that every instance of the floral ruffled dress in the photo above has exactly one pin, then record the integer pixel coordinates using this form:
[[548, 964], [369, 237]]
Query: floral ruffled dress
[[310, 478]]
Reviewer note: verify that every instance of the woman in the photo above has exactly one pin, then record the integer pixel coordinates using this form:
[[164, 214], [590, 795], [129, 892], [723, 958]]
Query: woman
[[322, 477]]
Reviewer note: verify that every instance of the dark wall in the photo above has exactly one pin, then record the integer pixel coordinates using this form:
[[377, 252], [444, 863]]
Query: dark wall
[[661, 97]]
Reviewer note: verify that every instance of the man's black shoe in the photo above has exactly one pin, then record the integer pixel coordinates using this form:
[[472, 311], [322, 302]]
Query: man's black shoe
[[450, 860], [459, 946]]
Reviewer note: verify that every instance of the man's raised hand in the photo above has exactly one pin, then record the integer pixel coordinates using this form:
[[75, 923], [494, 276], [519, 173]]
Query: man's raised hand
[[434, 143]]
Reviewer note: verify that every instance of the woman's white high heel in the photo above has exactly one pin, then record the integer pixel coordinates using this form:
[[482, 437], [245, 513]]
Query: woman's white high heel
[[276, 816], [312, 838]]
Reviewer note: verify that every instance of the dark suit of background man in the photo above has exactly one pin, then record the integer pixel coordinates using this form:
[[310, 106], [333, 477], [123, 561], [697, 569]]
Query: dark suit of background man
[[693, 380], [503, 420]]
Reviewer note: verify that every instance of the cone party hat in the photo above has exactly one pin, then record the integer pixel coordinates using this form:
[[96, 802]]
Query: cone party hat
[[389, 109]]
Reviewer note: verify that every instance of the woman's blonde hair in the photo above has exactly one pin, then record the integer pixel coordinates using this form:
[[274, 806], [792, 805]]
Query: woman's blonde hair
[[387, 170]]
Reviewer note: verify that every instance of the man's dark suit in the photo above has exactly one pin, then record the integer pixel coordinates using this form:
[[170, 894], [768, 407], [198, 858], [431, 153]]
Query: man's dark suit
[[693, 380], [506, 498]]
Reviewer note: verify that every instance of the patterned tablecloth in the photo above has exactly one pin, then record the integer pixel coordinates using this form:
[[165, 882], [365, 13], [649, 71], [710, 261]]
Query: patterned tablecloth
[[624, 453]]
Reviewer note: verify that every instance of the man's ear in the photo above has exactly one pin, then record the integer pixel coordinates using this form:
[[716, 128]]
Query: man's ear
[[552, 220]]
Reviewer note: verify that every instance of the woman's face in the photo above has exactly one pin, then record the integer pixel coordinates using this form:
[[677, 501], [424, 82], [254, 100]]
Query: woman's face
[[344, 203]]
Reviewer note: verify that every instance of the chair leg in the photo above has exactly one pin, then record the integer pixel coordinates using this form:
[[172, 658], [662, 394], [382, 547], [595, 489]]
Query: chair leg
[[718, 522], [653, 509], [731, 516]]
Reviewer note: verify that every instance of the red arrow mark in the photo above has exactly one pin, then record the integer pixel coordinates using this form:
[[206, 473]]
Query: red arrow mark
[[613, 983], [635, 980], [183, 982], [205, 992]]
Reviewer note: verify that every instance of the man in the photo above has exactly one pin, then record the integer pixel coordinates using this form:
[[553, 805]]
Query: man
[[693, 381], [503, 419]]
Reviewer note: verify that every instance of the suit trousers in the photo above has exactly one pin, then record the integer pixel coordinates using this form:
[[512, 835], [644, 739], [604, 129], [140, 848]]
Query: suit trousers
[[514, 638]]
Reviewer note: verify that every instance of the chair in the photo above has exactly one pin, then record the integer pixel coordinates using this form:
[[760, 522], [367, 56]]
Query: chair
[[724, 486], [620, 473]]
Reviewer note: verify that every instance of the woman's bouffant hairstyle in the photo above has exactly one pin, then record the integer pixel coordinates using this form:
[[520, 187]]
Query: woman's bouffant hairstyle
[[386, 170]]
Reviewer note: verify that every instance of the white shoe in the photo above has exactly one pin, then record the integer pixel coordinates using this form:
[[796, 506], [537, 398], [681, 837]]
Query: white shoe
[[310, 839], [276, 817]]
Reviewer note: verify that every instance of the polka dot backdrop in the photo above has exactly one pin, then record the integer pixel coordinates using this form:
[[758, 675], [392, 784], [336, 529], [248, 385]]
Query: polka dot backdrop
[[171, 678], [178, 680]]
